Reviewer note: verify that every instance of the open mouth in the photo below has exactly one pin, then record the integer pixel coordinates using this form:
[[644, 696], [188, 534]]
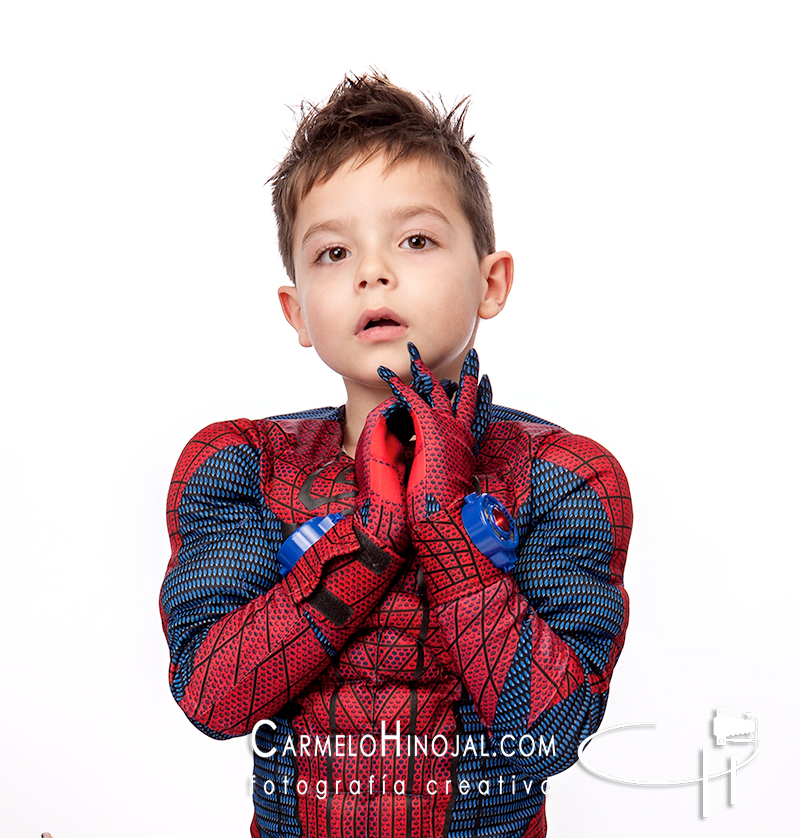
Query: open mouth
[[381, 321], [380, 324]]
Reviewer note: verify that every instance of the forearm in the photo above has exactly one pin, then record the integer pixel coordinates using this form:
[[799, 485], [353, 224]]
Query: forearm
[[250, 662], [535, 656], [535, 693], [247, 665]]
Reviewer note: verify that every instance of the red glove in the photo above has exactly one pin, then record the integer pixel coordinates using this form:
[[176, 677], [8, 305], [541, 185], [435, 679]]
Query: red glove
[[441, 476], [339, 579]]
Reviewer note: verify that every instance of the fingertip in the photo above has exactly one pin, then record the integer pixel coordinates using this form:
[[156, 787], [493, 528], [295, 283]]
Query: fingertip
[[423, 385], [413, 352], [471, 365]]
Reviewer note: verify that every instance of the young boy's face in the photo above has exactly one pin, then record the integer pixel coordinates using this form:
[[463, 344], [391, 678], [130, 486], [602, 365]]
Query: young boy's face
[[387, 257]]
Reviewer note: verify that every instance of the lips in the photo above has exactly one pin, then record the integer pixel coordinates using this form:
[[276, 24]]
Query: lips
[[380, 324]]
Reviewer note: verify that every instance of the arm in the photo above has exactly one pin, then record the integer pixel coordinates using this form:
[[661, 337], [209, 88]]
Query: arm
[[243, 641], [536, 651], [536, 657]]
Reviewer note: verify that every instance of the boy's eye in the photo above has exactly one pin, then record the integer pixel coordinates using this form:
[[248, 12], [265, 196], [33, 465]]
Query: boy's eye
[[417, 241], [333, 254]]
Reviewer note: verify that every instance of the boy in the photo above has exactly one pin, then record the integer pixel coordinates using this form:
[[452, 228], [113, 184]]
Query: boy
[[415, 600]]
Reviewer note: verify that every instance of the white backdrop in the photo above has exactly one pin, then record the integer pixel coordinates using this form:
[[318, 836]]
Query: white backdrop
[[644, 169]]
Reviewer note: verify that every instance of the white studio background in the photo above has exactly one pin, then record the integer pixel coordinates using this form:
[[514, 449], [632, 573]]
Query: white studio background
[[644, 168]]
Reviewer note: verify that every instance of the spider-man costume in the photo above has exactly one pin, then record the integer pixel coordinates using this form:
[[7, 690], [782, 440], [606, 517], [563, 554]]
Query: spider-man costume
[[494, 678]]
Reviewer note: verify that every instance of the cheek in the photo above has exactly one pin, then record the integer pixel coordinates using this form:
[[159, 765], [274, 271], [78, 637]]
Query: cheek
[[319, 313], [456, 301], [319, 331]]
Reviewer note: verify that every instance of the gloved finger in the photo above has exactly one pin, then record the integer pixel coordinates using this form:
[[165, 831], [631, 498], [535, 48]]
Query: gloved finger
[[390, 406], [450, 387], [428, 383], [425, 382], [396, 385], [408, 395], [383, 412], [422, 384], [467, 389], [421, 380], [393, 407]]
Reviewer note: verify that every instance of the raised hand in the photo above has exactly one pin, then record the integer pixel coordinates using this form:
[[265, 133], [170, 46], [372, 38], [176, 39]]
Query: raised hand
[[441, 476], [444, 458]]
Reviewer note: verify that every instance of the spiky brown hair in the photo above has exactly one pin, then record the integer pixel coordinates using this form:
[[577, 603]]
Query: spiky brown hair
[[367, 115]]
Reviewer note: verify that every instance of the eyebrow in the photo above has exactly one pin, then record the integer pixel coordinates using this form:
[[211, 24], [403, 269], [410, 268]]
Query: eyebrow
[[332, 225], [402, 214], [421, 209]]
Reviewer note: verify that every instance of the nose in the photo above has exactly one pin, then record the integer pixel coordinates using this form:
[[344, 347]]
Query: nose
[[374, 269]]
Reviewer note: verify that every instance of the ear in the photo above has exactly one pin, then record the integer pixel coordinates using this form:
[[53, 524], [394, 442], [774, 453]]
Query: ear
[[497, 270], [290, 306]]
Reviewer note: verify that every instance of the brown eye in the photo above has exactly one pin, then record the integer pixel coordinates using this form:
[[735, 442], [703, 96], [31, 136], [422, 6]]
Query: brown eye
[[333, 254], [417, 242]]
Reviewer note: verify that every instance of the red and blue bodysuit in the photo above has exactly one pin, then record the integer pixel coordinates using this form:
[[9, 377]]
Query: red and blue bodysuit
[[492, 679]]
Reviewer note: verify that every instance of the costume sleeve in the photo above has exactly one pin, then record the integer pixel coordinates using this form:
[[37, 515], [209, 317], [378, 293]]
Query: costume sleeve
[[243, 641], [536, 648]]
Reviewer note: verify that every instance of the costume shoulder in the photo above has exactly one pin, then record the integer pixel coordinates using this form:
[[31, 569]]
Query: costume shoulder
[[222, 456], [224, 465], [546, 465], [312, 435], [304, 431], [227, 466]]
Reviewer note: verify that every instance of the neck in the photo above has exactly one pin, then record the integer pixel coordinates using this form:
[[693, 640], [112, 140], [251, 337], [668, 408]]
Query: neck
[[361, 401]]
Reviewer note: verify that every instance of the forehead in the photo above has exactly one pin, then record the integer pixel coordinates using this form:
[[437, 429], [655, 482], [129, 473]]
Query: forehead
[[373, 188]]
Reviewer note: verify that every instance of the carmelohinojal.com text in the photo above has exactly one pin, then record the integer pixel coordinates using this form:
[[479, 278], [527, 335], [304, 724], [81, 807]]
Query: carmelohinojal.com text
[[367, 745]]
